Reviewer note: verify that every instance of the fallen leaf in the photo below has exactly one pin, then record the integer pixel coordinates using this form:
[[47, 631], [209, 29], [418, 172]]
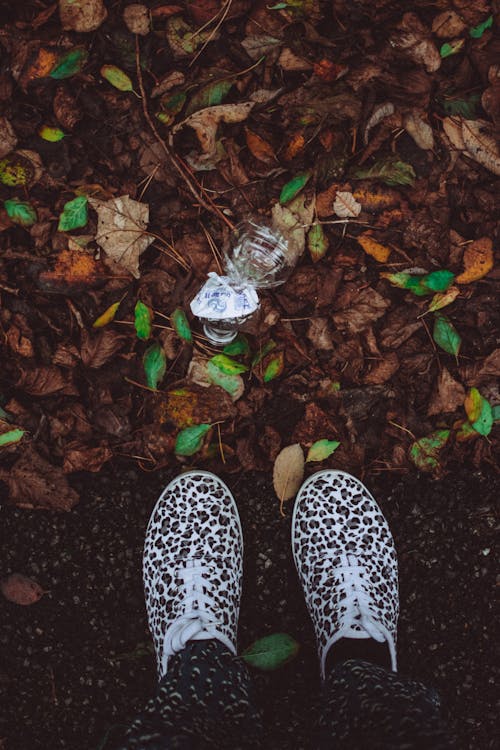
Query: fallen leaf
[[451, 48], [383, 370], [136, 18], [290, 61], [320, 335], [390, 170], [295, 146], [446, 335], [448, 24], [20, 589], [143, 316], [35, 483], [420, 131], [122, 230], [232, 384], [357, 309], [449, 395], [10, 434], [20, 212], [257, 45], [39, 65], [478, 31], [274, 367], [227, 365], [479, 412], [425, 452], [97, 348], [155, 364], [74, 214], [83, 458], [488, 368], [181, 325], [190, 440], [69, 63], [186, 406], [478, 261], [183, 40], [107, 316], [74, 270], [82, 15], [345, 205], [22, 167], [317, 242], [413, 39], [259, 148], [8, 138], [45, 380], [209, 95], [50, 134], [117, 78], [481, 144], [321, 449], [206, 121], [372, 247], [271, 652], [443, 299], [288, 472]]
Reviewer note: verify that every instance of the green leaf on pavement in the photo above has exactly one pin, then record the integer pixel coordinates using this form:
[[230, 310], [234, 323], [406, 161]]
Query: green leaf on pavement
[[12, 436], [446, 335], [321, 449], [142, 321], [190, 440], [479, 412], [69, 63], [392, 171], [294, 186], [181, 325], [155, 364], [20, 212], [117, 78], [239, 346], [425, 452], [271, 652], [477, 31], [53, 135], [317, 242], [227, 365], [274, 367], [74, 214]]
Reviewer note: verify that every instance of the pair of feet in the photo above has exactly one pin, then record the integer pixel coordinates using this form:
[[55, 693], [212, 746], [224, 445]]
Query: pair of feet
[[342, 547]]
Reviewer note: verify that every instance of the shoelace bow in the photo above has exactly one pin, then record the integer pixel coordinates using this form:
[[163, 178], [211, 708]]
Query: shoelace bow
[[198, 621]]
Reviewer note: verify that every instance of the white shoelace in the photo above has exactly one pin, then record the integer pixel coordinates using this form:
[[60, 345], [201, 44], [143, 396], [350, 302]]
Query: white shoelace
[[198, 622], [353, 579]]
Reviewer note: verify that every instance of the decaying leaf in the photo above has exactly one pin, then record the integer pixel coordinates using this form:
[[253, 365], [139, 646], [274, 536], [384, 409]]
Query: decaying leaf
[[420, 131], [136, 17], [82, 15], [206, 121], [414, 40], [35, 483], [345, 205], [321, 449], [83, 458], [100, 347], [425, 452], [476, 139], [449, 396], [20, 589], [478, 261], [260, 148], [357, 309], [479, 412], [73, 271], [372, 247], [8, 138], [122, 230], [288, 472]]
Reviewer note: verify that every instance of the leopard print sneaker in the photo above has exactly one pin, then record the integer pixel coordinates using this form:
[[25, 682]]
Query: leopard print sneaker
[[192, 565], [345, 557]]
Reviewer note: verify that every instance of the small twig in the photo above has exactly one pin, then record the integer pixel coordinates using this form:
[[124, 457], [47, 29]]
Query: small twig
[[221, 449], [225, 10], [400, 427]]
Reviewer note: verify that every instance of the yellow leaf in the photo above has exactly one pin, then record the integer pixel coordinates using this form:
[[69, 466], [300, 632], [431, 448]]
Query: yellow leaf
[[374, 248], [296, 144], [478, 261], [107, 316], [442, 299], [472, 404]]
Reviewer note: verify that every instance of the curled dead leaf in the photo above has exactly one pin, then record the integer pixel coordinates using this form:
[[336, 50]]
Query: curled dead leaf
[[449, 395], [98, 348], [20, 589], [420, 131], [345, 205], [478, 261], [205, 122], [83, 458], [83, 16], [288, 472], [35, 483]]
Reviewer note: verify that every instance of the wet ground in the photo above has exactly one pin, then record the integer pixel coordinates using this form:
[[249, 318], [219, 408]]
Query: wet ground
[[77, 666]]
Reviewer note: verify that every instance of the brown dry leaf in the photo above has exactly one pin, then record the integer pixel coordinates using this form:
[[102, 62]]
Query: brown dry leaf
[[191, 405], [82, 458], [8, 138], [19, 340], [448, 24], [481, 144], [35, 483], [315, 423], [345, 205], [261, 149], [82, 15], [174, 78], [257, 45], [20, 589], [452, 126], [294, 146], [206, 121], [488, 368], [320, 335], [325, 200], [449, 396], [375, 199], [380, 112], [478, 261], [357, 309], [136, 17], [122, 230], [383, 370], [290, 61], [74, 271], [97, 348], [46, 380], [288, 472], [38, 65], [420, 131], [66, 355], [70, 420], [66, 108], [372, 247], [413, 39]]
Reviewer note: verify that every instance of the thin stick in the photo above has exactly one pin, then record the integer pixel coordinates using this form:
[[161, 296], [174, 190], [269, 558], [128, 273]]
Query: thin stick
[[214, 30]]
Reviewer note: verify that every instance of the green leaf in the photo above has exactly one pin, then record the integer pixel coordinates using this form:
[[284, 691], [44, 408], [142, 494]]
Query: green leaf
[[495, 412], [155, 364], [464, 107], [190, 440], [259, 356], [12, 436], [69, 63], [14, 171], [228, 365], [181, 324], [425, 452], [271, 652], [53, 135], [239, 346], [446, 335], [117, 78], [74, 214], [142, 321], [293, 188], [274, 367], [321, 449], [210, 95], [477, 31], [451, 48], [170, 107], [392, 171], [232, 384], [438, 281], [20, 212], [479, 412], [421, 284], [317, 242]]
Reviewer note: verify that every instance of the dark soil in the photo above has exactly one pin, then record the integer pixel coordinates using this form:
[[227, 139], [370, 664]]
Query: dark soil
[[77, 666]]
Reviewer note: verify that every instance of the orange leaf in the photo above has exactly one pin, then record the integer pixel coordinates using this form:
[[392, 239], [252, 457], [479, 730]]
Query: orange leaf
[[374, 248], [328, 71], [478, 261], [260, 148], [40, 66], [295, 145], [74, 270], [377, 199]]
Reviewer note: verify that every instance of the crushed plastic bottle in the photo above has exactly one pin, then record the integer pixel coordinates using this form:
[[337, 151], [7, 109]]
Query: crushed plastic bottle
[[258, 259]]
